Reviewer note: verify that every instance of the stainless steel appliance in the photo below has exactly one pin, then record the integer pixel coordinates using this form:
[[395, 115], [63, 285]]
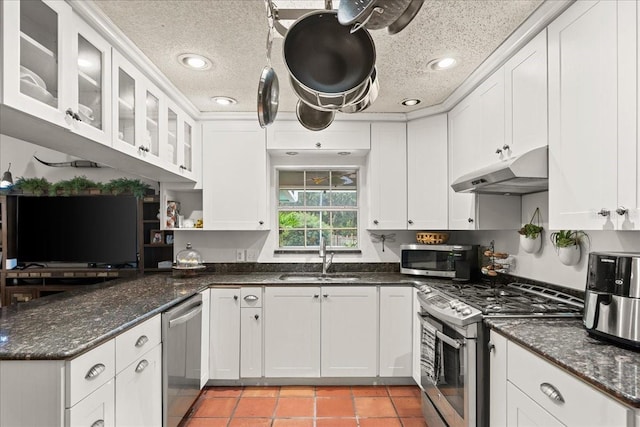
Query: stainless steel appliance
[[181, 342], [455, 344], [458, 262], [612, 297]]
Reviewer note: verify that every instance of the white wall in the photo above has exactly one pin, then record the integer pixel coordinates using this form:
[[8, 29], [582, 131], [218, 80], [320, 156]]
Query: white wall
[[20, 154]]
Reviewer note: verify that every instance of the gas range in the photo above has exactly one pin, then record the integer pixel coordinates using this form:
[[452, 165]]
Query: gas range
[[461, 304]]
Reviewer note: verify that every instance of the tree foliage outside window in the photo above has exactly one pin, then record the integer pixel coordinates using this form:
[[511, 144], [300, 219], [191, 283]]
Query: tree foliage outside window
[[314, 203]]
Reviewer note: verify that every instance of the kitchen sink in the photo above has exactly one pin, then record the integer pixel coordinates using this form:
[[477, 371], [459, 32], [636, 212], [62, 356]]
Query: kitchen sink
[[317, 277]]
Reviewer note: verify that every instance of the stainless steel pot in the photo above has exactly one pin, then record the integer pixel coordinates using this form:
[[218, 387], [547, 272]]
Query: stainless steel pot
[[407, 16], [328, 64], [378, 14], [367, 99], [312, 118]]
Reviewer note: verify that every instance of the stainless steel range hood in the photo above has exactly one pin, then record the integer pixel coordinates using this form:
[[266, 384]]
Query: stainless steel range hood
[[523, 174]]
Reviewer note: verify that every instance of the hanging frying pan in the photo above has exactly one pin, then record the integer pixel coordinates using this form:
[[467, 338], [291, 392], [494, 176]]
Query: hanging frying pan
[[268, 87]]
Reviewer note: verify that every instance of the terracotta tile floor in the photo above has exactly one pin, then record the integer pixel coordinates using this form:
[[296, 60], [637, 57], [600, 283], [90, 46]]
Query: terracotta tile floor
[[307, 406]]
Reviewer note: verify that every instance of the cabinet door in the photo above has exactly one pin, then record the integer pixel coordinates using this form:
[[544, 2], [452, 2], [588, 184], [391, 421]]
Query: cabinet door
[[583, 115], [206, 323], [427, 185], [396, 331], [235, 179], [526, 97], [126, 93], [340, 136], [464, 129], [292, 332], [36, 41], [387, 170], [251, 342], [522, 411], [139, 391], [91, 83], [97, 409], [490, 99], [224, 334], [497, 380], [349, 331]]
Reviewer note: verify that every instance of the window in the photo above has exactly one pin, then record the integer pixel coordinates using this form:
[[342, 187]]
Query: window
[[315, 202]]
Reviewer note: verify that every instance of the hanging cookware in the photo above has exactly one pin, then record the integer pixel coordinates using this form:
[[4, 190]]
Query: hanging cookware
[[367, 99], [313, 119], [376, 14], [404, 19], [326, 60], [268, 87]]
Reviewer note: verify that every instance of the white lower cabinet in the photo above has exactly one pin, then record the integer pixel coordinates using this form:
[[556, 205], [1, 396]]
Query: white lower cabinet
[[349, 334], [138, 391], [292, 331], [97, 409], [396, 334], [497, 380], [224, 334], [522, 411], [251, 342]]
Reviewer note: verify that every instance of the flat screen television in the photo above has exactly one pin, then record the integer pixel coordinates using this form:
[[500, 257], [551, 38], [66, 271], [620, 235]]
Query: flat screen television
[[100, 231]]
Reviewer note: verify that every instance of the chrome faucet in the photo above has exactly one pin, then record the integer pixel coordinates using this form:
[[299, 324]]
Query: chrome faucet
[[323, 254]]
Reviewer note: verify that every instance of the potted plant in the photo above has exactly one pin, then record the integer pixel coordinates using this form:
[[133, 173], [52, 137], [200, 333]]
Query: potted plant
[[35, 186], [567, 243], [530, 234]]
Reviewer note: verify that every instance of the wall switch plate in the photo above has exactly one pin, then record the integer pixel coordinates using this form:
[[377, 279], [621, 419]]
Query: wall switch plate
[[240, 255], [252, 255]]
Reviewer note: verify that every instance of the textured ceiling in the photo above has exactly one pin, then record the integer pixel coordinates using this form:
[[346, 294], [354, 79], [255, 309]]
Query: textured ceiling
[[232, 33]]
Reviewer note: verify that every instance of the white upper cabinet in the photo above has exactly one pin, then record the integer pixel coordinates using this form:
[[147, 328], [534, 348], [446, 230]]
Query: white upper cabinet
[[427, 173], [525, 76], [234, 180], [593, 117], [56, 67], [489, 97], [387, 172], [349, 136]]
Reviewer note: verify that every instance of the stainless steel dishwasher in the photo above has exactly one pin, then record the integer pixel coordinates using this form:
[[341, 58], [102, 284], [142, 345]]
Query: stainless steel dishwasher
[[181, 342]]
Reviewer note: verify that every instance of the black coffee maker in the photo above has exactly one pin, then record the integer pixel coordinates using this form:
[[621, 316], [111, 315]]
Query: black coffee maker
[[612, 297]]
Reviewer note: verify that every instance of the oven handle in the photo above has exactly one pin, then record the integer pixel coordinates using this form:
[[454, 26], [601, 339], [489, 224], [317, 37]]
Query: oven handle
[[445, 338]]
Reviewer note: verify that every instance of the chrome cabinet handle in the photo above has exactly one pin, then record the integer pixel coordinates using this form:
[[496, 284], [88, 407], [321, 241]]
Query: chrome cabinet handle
[[410, 222], [551, 392], [182, 167], [622, 210], [142, 341], [318, 145], [505, 147], [95, 370], [142, 365], [498, 150], [99, 423], [257, 316], [261, 222], [491, 346], [375, 221], [469, 220], [251, 298], [143, 148], [604, 212]]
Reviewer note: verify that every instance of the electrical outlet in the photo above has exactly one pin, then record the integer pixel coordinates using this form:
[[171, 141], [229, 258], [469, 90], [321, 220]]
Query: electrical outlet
[[252, 255], [240, 255]]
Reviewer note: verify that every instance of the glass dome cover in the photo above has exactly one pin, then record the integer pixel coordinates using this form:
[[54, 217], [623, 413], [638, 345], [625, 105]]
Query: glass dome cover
[[189, 258]]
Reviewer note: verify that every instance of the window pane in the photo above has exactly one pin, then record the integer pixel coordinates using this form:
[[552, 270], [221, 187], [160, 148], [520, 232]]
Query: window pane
[[344, 179], [290, 198], [317, 198], [292, 238], [313, 219], [318, 179], [346, 238], [291, 179], [313, 238], [294, 219], [344, 198], [348, 219]]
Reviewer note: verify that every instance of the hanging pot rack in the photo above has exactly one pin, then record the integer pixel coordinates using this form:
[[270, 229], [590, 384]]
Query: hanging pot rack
[[280, 15]]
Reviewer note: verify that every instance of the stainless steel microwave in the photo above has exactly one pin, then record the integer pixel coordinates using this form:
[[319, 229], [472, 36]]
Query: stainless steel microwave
[[458, 262]]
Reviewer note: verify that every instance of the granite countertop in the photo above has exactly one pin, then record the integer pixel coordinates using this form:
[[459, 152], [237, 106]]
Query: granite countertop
[[565, 343], [62, 326]]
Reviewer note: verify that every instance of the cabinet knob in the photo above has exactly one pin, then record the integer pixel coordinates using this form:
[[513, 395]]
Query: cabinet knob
[[622, 210], [318, 145], [235, 297], [604, 212], [410, 222], [261, 222], [498, 150], [73, 115], [552, 392], [505, 147], [316, 296], [469, 220], [181, 167], [257, 316], [375, 221], [491, 346], [325, 295]]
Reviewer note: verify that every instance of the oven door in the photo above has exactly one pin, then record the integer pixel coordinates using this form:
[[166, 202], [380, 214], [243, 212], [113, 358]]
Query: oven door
[[448, 372]]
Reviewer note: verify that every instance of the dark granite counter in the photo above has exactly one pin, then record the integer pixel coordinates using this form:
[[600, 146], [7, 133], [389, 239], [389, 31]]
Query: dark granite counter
[[565, 343], [65, 325]]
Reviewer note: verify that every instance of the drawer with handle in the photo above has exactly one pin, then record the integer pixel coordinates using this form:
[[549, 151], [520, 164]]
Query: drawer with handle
[[250, 297], [87, 372], [133, 343], [561, 394], [95, 410]]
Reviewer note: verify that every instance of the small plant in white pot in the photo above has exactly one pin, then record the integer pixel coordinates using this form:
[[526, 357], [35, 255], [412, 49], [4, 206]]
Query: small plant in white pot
[[530, 234], [567, 243]]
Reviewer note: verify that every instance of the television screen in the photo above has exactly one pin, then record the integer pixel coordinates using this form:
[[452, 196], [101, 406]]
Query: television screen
[[99, 230]]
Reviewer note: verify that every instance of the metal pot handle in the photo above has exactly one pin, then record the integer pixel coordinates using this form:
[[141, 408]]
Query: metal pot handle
[[320, 104], [359, 25]]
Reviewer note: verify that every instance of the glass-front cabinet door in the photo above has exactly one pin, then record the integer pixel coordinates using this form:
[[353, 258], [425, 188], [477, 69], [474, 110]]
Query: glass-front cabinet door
[[35, 43], [92, 83], [125, 92], [187, 146], [172, 136]]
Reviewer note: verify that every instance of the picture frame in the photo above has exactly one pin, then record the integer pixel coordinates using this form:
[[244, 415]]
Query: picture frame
[[156, 237], [168, 239]]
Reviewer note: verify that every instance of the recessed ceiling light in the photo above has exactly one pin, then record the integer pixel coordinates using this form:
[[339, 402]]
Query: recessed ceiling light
[[344, 153], [194, 61], [291, 153], [224, 100], [440, 64], [410, 102]]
